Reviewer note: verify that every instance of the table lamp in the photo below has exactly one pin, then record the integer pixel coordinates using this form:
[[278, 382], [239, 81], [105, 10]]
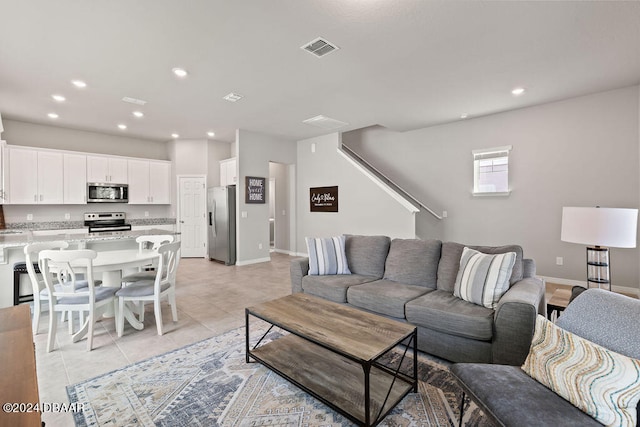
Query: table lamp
[[600, 229]]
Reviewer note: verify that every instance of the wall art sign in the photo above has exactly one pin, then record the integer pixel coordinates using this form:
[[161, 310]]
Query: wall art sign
[[323, 199], [255, 187]]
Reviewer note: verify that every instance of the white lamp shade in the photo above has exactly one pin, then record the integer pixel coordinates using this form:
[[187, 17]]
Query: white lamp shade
[[611, 227]]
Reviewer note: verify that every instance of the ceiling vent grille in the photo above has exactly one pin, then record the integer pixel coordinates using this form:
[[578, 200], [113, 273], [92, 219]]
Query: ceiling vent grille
[[319, 47], [325, 122], [133, 100]]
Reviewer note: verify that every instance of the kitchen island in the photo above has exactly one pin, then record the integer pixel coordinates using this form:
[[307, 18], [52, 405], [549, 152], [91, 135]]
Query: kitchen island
[[12, 245]]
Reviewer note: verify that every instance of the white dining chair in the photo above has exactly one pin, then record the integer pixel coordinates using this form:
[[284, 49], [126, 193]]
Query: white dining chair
[[61, 271], [152, 242], [40, 292], [163, 285]]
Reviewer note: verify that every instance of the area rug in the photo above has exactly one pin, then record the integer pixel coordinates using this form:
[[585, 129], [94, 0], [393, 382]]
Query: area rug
[[210, 384]]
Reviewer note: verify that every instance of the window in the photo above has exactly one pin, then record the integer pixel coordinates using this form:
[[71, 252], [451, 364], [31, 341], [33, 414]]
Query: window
[[491, 171]]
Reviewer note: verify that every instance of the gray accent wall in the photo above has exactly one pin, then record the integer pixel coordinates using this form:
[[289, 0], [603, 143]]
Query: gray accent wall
[[364, 208], [577, 152], [254, 152]]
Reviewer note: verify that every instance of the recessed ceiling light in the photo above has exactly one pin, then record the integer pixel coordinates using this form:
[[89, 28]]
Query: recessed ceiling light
[[464, 116], [180, 72], [138, 114], [79, 84], [211, 134], [175, 135], [122, 126], [52, 115], [518, 91], [232, 97], [58, 98]]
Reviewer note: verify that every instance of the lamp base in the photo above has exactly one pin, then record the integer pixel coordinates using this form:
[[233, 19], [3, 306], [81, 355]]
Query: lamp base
[[598, 271]]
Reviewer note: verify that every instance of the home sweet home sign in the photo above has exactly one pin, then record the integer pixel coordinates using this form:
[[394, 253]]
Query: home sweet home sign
[[323, 199], [255, 190]]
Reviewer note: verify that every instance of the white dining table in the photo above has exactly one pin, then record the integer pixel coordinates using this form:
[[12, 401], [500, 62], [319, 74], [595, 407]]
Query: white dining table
[[111, 264]]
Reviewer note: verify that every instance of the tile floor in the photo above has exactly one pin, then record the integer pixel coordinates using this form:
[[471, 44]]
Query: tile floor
[[211, 299]]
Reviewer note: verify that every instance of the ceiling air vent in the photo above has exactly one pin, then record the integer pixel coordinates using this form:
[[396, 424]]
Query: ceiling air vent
[[319, 47], [134, 100], [325, 122]]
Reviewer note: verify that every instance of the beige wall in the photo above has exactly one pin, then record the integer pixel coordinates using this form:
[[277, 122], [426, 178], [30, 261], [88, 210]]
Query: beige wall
[[576, 152]]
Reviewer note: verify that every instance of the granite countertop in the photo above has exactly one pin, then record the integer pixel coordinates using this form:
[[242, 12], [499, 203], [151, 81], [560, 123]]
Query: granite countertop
[[18, 239], [70, 225]]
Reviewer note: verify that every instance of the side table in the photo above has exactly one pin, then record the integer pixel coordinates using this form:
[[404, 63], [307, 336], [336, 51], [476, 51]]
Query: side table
[[558, 302]]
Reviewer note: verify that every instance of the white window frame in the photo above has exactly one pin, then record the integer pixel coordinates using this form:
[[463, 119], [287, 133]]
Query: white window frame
[[489, 153]]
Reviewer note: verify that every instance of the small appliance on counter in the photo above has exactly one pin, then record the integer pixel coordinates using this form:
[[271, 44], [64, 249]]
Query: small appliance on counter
[[105, 222], [107, 193], [221, 202]]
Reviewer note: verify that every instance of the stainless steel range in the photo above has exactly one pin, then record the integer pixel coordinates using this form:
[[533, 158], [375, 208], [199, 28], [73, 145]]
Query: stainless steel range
[[105, 222]]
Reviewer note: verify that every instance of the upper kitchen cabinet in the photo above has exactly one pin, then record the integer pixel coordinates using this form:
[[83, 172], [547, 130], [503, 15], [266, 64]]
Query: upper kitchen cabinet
[[75, 179], [35, 177], [107, 169], [149, 182], [228, 174]]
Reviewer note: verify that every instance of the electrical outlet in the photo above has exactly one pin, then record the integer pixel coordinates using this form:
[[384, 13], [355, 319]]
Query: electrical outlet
[[243, 214], [559, 261], [146, 213], [67, 216], [284, 213], [313, 147], [29, 217], [445, 214], [259, 245]]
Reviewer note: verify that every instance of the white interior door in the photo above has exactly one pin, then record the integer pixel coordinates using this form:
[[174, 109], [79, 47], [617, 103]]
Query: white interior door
[[192, 198]]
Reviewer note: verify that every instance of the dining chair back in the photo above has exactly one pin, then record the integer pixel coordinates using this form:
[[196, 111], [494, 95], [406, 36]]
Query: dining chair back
[[63, 272], [152, 242], [153, 290], [40, 292]]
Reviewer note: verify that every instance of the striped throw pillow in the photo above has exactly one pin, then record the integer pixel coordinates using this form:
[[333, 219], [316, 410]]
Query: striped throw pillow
[[327, 256], [483, 278], [600, 382]]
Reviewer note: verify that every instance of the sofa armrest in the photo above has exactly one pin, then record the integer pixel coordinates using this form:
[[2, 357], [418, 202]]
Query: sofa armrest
[[528, 268], [514, 321], [298, 268]]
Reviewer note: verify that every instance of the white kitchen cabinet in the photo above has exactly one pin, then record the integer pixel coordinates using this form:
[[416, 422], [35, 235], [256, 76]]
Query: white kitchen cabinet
[[228, 172], [149, 182], [107, 169], [160, 182], [35, 177], [75, 179]]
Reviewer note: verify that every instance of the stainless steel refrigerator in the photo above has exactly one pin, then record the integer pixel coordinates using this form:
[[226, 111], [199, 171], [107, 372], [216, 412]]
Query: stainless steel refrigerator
[[221, 202]]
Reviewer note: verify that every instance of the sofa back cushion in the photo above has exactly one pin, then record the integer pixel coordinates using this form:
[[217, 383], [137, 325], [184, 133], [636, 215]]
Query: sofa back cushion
[[451, 253], [413, 262], [366, 254]]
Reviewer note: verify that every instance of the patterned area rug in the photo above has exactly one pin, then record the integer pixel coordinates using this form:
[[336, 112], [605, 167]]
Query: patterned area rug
[[210, 384]]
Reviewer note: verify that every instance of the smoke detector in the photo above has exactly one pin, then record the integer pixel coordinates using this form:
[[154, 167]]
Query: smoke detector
[[319, 47], [325, 122], [232, 97]]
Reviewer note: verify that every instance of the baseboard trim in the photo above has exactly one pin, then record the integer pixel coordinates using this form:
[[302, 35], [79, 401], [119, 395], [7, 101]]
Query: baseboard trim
[[252, 261], [583, 283], [284, 251]]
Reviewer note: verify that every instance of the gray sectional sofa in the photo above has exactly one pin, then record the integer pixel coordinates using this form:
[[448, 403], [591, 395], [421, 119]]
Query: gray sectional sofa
[[412, 280]]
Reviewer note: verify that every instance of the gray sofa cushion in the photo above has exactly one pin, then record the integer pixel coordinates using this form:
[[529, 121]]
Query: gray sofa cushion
[[441, 311], [366, 254], [413, 262], [515, 399], [450, 262], [333, 287], [384, 296]]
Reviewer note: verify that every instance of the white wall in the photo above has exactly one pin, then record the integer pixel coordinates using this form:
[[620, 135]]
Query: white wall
[[363, 207], [254, 152], [576, 152], [43, 136], [216, 151]]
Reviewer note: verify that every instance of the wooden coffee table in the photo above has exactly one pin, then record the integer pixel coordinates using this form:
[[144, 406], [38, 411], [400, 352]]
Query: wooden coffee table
[[333, 352]]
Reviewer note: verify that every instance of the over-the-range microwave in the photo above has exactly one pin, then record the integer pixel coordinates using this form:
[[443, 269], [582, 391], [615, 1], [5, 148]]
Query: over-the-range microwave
[[107, 193]]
